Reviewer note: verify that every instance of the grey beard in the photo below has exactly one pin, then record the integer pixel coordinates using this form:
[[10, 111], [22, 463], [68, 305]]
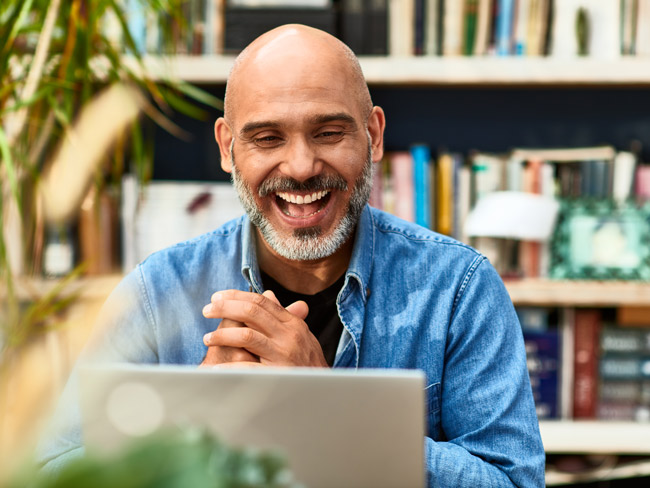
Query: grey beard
[[306, 244]]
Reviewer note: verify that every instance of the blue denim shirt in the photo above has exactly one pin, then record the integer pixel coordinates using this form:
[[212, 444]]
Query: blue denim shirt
[[411, 299]]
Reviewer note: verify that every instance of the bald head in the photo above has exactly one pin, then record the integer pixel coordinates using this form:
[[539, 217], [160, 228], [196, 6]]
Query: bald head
[[292, 50]]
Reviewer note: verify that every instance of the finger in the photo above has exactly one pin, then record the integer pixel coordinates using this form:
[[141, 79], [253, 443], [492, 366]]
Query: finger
[[257, 312], [300, 309], [218, 355], [271, 296], [244, 338], [270, 304]]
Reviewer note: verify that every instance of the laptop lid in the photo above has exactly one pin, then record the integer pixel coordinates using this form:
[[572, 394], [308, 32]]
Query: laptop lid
[[361, 428]]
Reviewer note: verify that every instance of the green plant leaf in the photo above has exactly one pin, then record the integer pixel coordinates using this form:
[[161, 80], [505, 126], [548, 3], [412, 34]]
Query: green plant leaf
[[199, 95], [16, 22], [8, 164]]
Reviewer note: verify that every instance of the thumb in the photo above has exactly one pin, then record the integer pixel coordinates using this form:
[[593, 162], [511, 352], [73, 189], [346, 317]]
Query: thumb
[[299, 309]]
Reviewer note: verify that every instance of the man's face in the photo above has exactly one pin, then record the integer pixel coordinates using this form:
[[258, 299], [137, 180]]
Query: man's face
[[305, 242], [303, 157]]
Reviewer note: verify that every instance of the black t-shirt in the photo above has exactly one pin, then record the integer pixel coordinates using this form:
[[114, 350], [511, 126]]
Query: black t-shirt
[[323, 319]]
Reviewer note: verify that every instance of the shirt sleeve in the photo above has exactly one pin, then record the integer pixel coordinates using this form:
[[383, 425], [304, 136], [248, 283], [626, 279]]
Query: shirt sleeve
[[123, 333], [487, 411]]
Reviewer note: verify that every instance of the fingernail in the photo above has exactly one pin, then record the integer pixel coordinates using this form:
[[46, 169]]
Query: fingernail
[[207, 309], [206, 338], [216, 297]]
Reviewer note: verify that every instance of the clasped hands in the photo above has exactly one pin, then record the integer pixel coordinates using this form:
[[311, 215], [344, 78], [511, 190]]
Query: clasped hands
[[256, 330]]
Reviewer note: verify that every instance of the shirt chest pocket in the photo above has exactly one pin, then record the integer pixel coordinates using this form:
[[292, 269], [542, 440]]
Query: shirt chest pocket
[[432, 400]]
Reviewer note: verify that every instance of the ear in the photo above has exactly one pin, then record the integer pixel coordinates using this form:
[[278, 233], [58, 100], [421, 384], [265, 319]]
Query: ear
[[376, 126], [223, 135]]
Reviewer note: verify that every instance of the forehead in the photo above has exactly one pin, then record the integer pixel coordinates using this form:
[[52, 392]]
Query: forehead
[[299, 84]]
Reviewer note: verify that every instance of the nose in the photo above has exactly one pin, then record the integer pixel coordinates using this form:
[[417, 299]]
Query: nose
[[301, 160]]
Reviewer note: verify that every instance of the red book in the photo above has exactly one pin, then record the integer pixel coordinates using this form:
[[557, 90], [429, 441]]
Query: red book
[[585, 363]]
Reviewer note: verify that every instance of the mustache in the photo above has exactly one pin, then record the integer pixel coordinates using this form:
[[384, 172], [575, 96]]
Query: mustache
[[315, 183]]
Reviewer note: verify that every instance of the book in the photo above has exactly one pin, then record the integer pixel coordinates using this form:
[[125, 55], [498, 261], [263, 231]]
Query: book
[[445, 193], [401, 167], [538, 21], [470, 18], [431, 27], [521, 27], [401, 25], [419, 29], [642, 43], [627, 315], [352, 32], [543, 362], [623, 176], [245, 24], [567, 360], [375, 27], [376, 193], [620, 340], [504, 27], [483, 27], [136, 19], [421, 156], [629, 11], [585, 369], [533, 319], [642, 184], [452, 30], [214, 27]]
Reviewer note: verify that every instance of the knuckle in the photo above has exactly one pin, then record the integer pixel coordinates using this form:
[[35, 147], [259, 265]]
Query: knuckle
[[251, 309], [248, 335]]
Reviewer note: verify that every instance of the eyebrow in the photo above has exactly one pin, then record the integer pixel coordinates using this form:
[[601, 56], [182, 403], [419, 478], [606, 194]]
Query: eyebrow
[[315, 120]]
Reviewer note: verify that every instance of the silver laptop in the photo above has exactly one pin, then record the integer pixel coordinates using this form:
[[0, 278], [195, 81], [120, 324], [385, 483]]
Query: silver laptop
[[338, 428]]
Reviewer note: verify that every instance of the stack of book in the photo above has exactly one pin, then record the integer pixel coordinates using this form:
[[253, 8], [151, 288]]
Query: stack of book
[[592, 364], [440, 190], [603, 29]]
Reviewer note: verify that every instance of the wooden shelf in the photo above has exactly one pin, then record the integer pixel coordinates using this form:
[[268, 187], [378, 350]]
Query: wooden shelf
[[386, 70], [541, 292], [595, 437], [533, 292], [88, 288]]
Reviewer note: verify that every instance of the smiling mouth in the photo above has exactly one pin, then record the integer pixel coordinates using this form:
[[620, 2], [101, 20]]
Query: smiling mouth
[[302, 205]]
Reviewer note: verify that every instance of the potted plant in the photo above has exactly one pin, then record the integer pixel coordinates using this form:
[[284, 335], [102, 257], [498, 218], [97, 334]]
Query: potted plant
[[73, 86]]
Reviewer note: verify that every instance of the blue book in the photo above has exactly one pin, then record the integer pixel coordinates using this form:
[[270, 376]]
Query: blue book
[[137, 24], [504, 21], [543, 360], [422, 184]]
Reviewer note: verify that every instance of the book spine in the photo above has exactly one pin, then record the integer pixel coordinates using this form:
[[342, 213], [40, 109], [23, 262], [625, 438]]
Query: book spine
[[376, 27], [505, 17], [521, 26], [431, 11], [444, 193], [470, 26], [421, 156], [402, 184], [585, 391], [352, 25], [543, 361]]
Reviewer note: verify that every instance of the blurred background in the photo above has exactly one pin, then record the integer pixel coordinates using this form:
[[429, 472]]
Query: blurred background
[[107, 154]]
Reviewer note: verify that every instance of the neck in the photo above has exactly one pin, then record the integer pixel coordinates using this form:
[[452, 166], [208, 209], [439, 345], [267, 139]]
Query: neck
[[308, 277]]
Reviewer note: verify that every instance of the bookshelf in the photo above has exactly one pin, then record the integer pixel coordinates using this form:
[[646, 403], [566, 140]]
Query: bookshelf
[[432, 71]]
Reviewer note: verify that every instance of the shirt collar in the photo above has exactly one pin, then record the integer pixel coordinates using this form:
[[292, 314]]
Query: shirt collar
[[360, 263], [249, 267]]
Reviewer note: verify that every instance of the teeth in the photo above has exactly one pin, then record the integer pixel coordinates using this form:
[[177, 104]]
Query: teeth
[[300, 199]]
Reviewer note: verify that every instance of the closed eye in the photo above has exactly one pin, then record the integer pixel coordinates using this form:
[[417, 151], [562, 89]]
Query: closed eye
[[330, 136], [267, 141]]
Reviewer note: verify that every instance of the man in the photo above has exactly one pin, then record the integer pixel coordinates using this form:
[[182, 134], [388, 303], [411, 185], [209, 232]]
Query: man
[[312, 276]]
